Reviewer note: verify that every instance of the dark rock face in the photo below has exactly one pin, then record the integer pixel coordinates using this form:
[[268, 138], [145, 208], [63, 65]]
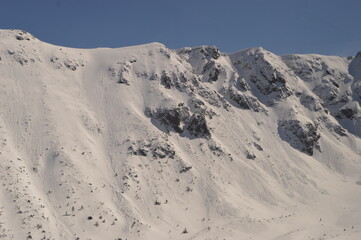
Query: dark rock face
[[207, 52], [211, 51], [267, 78], [303, 137], [172, 119], [349, 112], [275, 83], [212, 71], [213, 98], [178, 120], [166, 81], [153, 147], [245, 102], [178, 80], [204, 59], [242, 85], [197, 126]]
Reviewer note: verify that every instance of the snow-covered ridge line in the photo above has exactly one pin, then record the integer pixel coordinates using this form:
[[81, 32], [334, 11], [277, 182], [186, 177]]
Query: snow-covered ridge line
[[145, 142]]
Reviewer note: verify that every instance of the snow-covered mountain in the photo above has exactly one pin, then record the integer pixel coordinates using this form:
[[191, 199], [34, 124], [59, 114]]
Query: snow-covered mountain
[[146, 142]]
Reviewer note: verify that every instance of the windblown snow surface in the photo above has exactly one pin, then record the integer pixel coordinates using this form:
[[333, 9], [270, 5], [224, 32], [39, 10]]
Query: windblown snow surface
[[146, 142]]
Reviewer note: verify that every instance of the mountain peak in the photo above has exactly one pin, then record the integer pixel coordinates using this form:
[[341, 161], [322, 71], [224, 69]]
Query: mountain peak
[[145, 142], [355, 66]]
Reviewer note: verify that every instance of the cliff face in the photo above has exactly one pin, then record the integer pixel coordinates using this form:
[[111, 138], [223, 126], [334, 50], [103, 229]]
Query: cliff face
[[146, 142]]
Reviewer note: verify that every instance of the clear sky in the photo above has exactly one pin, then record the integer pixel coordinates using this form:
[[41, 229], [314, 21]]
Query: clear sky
[[331, 27]]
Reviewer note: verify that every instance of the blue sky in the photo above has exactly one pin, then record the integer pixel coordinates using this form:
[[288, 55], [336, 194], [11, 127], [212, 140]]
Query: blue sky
[[282, 26]]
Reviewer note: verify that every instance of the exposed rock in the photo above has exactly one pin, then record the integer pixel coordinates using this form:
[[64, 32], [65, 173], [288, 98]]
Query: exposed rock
[[216, 150], [172, 119], [202, 58], [185, 169], [121, 72], [266, 71], [302, 136], [211, 51], [165, 52], [276, 83], [197, 103], [179, 80], [155, 148], [197, 126], [350, 111], [208, 52], [212, 71], [166, 81], [21, 57], [340, 131], [22, 35], [259, 147], [333, 127], [71, 64], [213, 98], [244, 101], [242, 85], [250, 155], [68, 63]]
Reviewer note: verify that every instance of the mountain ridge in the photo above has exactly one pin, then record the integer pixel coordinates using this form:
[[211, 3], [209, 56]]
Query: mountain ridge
[[148, 142]]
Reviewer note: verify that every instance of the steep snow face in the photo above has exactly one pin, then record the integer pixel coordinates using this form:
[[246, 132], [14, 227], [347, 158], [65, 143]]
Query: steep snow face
[[334, 80], [355, 66], [146, 142]]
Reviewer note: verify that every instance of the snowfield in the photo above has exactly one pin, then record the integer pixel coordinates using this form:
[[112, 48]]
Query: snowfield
[[146, 142]]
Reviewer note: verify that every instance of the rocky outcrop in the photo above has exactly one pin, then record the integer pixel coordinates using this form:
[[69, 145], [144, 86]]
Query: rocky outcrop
[[171, 119], [242, 85], [205, 52], [243, 101], [212, 71], [197, 126], [153, 147], [121, 72], [213, 98], [264, 71], [350, 111], [301, 136], [179, 120]]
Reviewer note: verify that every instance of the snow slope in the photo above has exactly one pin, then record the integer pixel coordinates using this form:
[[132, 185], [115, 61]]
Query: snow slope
[[146, 142]]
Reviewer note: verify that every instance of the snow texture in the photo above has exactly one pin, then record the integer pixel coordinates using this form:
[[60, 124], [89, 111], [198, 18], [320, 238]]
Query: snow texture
[[147, 142]]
